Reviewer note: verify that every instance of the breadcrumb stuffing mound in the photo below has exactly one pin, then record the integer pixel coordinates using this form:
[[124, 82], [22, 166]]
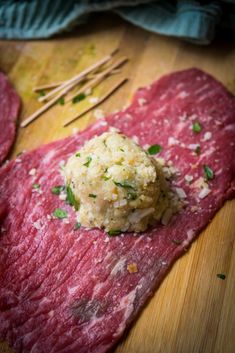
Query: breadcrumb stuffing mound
[[118, 185]]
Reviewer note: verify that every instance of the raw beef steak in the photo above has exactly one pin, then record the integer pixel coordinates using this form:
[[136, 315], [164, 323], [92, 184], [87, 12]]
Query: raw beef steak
[[71, 290], [9, 111]]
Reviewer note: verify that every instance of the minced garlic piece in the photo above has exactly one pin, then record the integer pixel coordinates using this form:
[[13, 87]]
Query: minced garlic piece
[[132, 268]]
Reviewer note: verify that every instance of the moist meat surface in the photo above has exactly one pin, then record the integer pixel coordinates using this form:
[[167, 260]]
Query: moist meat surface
[[66, 290], [9, 111]]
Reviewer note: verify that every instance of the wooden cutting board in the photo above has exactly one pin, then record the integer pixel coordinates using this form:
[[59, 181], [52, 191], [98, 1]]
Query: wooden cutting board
[[193, 310]]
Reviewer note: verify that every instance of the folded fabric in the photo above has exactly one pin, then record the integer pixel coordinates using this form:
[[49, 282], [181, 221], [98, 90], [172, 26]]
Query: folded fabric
[[195, 21]]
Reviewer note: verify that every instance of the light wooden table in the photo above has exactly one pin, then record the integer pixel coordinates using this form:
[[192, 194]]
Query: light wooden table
[[193, 311]]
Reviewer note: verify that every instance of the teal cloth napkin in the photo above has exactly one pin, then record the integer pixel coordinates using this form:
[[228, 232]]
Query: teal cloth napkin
[[195, 21]]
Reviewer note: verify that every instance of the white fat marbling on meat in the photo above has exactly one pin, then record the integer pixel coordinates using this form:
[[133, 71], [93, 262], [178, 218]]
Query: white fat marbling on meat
[[180, 85], [182, 95], [97, 288], [178, 128], [220, 171], [207, 153], [37, 224], [100, 122], [183, 117], [141, 101], [159, 111], [172, 141], [163, 96], [190, 234], [48, 157], [230, 127], [126, 304], [119, 266], [201, 89], [128, 117], [72, 290], [207, 95], [193, 117]]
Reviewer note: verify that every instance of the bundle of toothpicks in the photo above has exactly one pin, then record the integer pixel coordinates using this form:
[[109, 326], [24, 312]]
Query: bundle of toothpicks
[[86, 80]]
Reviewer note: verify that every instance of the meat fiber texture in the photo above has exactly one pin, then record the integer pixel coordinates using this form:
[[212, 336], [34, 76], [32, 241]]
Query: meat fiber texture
[[9, 111], [66, 290]]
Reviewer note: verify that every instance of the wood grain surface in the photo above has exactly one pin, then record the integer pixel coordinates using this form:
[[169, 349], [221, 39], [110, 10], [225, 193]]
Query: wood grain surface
[[193, 311]]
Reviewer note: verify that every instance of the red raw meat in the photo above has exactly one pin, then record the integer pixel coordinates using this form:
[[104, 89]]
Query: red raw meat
[[9, 111], [66, 290]]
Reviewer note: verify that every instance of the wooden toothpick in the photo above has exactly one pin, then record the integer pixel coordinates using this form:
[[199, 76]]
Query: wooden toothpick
[[78, 77], [101, 100], [97, 79]]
